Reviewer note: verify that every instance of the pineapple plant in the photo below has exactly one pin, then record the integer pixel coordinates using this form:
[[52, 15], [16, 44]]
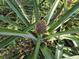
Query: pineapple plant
[[34, 30]]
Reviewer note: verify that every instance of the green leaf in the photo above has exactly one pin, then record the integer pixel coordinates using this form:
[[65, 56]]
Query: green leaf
[[75, 38], [1, 2], [57, 14], [36, 52], [32, 26], [36, 10], [15, 33], [7, 41], [1, 57], [71, 31], [16, 9], [65, 5], [64, 18], [23, 11], [50, 1], [6, 19], [47, 53], [51, 12], [59, 51], [73, 57]]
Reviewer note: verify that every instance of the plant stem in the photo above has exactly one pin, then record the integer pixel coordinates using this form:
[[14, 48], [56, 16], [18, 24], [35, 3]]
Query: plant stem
[[37, 46], [59, 51]]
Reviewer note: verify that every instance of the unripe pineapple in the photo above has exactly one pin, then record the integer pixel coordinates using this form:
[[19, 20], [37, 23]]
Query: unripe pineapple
[[69, 1], [41, 27]]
